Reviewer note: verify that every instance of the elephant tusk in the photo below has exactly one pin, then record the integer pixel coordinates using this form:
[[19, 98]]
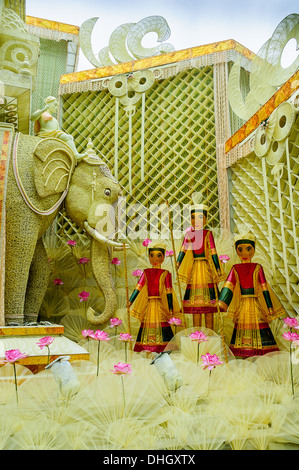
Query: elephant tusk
[[100, 238]]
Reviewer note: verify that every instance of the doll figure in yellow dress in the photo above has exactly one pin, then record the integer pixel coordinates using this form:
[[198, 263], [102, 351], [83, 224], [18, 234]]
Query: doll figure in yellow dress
[[199, 267], [154, 303], [250, 302]]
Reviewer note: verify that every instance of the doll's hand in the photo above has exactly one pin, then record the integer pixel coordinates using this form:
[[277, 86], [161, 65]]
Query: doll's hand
[[271, 312]]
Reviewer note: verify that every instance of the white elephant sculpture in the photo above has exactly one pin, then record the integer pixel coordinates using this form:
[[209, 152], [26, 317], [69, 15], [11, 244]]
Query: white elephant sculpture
[[43, 174]]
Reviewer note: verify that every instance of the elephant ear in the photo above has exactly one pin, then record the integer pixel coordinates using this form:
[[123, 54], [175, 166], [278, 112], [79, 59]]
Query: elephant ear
[[54, 163]]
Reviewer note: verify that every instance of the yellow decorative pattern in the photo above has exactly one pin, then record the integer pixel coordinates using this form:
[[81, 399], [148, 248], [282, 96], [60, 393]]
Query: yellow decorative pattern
[[165, 59], [31, 330], [54, 25], [264, 112]]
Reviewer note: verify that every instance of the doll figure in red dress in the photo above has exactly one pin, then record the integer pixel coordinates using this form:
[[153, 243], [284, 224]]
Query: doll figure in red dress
[[250, 302], [199, 267], [154, 303]]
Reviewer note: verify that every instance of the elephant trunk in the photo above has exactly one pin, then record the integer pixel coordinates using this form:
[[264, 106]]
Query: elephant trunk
[[101, 267]]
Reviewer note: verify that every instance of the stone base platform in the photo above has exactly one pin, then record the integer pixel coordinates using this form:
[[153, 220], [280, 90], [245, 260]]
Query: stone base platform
[[25, 339]]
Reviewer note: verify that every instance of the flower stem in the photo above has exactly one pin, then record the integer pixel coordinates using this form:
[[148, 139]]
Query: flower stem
[[98, 362], [123, 389], [291, 364], [209, 381], [126, 356], [48, 355], [197, 359], [16, 385]]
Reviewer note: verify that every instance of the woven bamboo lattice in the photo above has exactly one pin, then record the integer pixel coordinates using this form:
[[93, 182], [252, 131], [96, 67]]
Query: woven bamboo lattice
[[52, 63], [179, 142], [249, 206]]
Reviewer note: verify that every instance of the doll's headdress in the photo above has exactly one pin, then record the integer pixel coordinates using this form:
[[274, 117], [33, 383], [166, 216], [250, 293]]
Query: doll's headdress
[[197, 205], [158, 247], [245, 237]]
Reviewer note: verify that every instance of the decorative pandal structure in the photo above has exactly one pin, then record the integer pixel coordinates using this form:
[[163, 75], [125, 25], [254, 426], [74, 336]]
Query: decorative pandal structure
[[161, 123], [262, 160], [168, 127]]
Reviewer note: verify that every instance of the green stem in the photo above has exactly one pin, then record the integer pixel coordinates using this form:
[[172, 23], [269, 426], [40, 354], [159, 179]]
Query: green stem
[[48, 355], [16, 385], [291, 364], [197, 360], [126, 356], [123, 389], [98, 362], [209, 381]]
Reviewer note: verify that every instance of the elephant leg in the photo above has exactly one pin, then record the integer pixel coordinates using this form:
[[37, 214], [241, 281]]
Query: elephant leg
[[37, 283], [17, 266]]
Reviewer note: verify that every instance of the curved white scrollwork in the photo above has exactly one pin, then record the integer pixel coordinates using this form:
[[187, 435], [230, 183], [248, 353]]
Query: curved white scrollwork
[[125, 43], [267, 73]]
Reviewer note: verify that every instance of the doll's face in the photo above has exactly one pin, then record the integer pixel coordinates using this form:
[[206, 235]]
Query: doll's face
[[198, 220], [245, 251], [156, 258]]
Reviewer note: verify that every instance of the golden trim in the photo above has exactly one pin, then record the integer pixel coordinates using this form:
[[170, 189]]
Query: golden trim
[[43, 360], [31, 330], [264, 286], [282, 95], [155, 61], [54, 25], [229, 285]]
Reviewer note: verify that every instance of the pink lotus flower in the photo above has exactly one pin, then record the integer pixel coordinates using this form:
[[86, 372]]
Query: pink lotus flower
[[146, 242], [291, 323], [86, 333], [72, 242], [46, 341], [125, 337], [175, 321], [210, 361], [169, 253], [13, 355], [198, 336], [137, 273], [114, 322], [83, 260], [58, 282], [100, 335], [122, 368], [224, 258], [115, 261], [292, 337], [83, 296]]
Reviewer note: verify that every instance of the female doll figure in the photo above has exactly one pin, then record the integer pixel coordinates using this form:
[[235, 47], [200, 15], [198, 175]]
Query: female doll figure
[[250, 302], [154, 304], [200, 269]]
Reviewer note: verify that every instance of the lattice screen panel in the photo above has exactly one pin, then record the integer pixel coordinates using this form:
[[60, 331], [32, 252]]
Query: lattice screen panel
[[249, 207], [179, 139], [51, 65]]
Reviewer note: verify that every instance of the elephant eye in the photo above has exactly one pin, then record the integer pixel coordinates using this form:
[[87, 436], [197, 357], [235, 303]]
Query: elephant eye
[[107, 192]]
